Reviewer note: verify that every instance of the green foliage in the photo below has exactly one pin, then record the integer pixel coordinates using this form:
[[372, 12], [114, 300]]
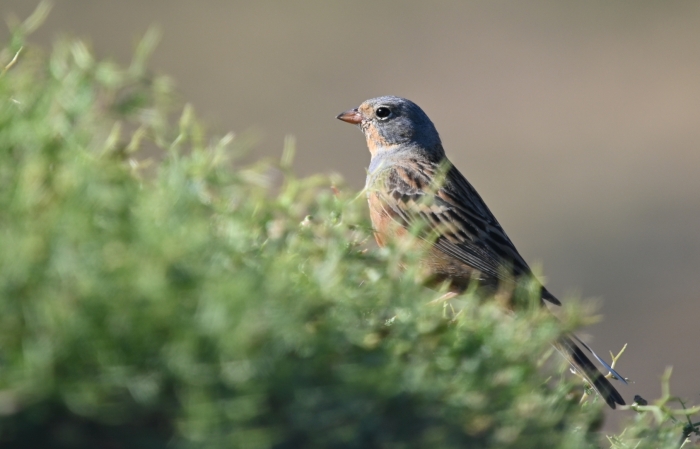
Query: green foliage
[[153, 292]]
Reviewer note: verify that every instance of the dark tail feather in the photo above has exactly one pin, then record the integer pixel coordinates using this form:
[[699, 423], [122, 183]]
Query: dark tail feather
[[615, 374], [588, 370]]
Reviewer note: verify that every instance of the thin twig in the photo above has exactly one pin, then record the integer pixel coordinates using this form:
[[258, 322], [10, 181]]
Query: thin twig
[[12, 62]]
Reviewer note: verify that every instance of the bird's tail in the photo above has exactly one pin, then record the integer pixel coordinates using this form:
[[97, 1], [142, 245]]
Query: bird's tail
[[588, 370]]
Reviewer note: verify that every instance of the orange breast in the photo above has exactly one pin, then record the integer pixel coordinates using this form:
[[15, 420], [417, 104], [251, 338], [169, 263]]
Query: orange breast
[[385, 227]]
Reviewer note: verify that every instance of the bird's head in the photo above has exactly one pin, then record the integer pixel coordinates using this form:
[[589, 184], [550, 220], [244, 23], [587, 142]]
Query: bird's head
[[391, 123]]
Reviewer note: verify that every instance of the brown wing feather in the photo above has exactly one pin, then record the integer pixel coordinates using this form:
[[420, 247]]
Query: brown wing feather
[[461, 224]]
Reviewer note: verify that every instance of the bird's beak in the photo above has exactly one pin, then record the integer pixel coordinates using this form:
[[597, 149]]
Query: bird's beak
[[352, 116]]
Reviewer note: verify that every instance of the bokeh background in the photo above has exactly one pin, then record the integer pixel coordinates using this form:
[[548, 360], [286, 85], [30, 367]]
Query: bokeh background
[[578, 122]]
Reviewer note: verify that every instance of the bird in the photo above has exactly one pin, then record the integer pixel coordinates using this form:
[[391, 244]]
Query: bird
[[411, 182]]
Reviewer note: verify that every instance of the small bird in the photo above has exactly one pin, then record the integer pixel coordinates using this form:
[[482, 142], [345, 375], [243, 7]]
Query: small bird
[[410, 181]]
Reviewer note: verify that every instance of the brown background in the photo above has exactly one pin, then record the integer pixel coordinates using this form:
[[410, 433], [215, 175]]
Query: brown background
[[577, 122]]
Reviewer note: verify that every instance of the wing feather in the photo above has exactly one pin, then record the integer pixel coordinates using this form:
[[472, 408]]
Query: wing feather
[[457, 220]]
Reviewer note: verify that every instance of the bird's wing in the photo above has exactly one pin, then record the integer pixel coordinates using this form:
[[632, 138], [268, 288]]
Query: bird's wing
[[460, 225], [456, 218]]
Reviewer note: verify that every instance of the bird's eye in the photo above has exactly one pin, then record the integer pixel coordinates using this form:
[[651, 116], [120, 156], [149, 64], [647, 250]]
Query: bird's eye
[[382, 112]]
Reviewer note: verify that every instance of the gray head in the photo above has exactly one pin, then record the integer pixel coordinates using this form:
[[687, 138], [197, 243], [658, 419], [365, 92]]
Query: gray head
[[391, 123]]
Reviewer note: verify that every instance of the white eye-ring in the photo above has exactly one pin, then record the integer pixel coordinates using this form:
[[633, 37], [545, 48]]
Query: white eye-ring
[[382, 112]]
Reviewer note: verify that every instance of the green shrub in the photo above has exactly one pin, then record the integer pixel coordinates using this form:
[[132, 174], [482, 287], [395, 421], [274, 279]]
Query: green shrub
[[155, 293]]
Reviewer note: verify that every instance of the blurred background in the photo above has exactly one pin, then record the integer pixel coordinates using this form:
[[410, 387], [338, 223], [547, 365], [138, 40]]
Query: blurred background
[[577, 122]]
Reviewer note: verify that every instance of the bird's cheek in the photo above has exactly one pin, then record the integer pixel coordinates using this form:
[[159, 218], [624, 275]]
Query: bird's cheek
[[375, 141]]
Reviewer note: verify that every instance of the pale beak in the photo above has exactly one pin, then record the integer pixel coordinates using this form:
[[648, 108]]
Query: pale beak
[[352, 116]]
